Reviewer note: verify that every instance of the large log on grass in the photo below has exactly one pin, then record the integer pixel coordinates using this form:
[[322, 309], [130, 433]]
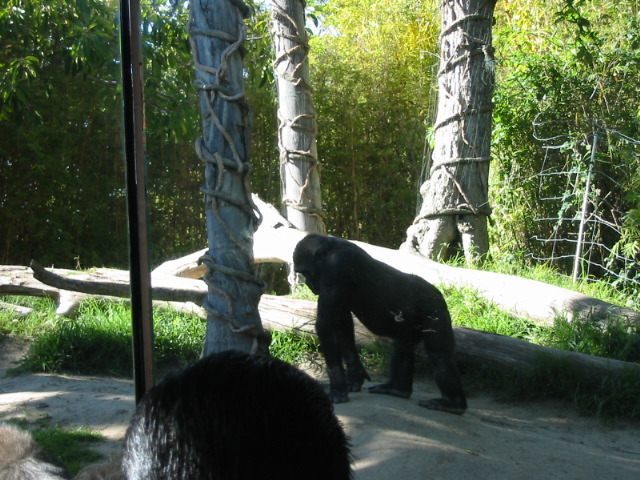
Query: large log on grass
[[536, 301], [276, 238], [498, 353]]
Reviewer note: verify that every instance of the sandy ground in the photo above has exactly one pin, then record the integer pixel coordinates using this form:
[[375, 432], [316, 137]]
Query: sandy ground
[[391, 438]]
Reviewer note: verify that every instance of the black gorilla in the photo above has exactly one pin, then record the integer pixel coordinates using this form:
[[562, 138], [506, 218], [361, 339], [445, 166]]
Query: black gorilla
[[233, 416], [388, 302]]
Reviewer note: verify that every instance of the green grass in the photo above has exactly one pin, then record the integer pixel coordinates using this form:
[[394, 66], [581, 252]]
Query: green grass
[[294, 347], [617, 338], [302, 292], [469, 309], [98, 341], [74, 448]]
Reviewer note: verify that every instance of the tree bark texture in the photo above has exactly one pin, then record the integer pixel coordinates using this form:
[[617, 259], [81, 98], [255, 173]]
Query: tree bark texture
[[455, 202], [216, 31], [297, 130]]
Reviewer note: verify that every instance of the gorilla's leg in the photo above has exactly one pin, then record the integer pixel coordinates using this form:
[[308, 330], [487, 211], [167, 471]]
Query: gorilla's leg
[[356, 373], [447, 376], [328, 328], [402, 364]]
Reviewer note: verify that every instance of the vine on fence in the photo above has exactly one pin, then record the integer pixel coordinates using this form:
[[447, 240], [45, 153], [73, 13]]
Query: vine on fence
[[586, 218]]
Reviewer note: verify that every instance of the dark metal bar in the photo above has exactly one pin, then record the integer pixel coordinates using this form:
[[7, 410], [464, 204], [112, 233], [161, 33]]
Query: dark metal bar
[[139, 265]]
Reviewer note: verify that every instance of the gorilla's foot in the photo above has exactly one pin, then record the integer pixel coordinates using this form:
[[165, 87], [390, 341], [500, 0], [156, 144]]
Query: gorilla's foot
[[339, 397], [356, 379], [387, 390], [444, 405]]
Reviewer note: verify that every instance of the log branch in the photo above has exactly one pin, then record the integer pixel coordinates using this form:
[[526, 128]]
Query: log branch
[[168, 288]]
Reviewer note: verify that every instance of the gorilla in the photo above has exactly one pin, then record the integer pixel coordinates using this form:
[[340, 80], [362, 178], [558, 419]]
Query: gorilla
[[390, 303], [22, 459], [234, 416]]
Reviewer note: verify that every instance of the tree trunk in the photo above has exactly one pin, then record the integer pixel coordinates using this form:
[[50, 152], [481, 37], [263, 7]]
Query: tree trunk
[[216, 31], [299, 167], [455, 202]]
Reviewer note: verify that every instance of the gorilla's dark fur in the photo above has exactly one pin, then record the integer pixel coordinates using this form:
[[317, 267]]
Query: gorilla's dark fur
[[232, 416], [22, 459], [388, 302]]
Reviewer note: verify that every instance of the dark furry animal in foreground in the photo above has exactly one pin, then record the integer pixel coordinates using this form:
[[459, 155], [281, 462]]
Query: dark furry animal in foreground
[[22, 459], [233, 416], [390, 303]]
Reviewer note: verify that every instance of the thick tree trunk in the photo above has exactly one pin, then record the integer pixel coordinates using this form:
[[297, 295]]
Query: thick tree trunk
[[299, 168], [455, 202], [216, 30]]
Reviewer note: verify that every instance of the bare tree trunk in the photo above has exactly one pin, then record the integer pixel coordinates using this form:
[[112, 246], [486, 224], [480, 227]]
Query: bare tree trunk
[[216, 30], [299, 167], [455, 203]]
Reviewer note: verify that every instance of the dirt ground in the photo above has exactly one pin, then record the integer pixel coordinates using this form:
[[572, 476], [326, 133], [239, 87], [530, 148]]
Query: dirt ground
[[391, 437]]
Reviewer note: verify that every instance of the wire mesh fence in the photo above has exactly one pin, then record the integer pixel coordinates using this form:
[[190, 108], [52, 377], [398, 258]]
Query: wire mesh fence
[[581, 182]]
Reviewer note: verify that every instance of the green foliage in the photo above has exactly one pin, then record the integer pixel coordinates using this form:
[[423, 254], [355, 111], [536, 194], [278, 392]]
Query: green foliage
[[372, 66], [60, 152], [559, 83], [567, 65], [61, 165]]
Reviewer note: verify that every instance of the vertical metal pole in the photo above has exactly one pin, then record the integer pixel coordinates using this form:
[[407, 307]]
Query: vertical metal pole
[[583, 216], [132, 91]]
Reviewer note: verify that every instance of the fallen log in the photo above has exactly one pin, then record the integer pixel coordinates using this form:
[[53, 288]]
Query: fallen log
[[17, 310], [19, 280], [115, 283], [273, 242], [499, 353], [535, 301]]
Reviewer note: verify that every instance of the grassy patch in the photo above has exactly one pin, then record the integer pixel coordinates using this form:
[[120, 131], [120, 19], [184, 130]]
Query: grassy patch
[[40, 318], [616, 338], [469, 309], [302, 292], [74, 448], [294, 347], [98, 341]]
